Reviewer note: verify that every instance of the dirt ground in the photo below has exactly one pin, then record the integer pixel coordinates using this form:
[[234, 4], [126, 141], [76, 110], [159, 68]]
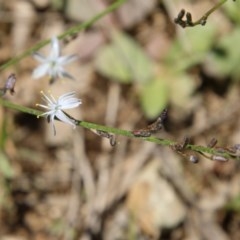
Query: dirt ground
[[75, 185]]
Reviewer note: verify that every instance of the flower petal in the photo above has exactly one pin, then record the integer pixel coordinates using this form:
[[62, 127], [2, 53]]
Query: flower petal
[[67, 59], [68, 101], [55, 51], [72, 104], [64, 118], [64, 74], [55, 108], [51, 119], [66, 96], [39, 57], [40, 71]]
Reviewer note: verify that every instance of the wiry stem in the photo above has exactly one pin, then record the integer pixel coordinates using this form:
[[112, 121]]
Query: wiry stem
[[201, 21], [212, 153], [70, 32]]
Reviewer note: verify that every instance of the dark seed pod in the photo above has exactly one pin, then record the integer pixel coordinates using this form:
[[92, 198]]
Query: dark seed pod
[[193, 159]]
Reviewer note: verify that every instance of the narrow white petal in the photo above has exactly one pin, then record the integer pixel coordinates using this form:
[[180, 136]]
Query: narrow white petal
[[70, 100], [67, 101], [64, 74], [64, 118], [40, 71], [66, 96], [67, 59], [55, 51], [57, 70], [52, 123], [53, 72], [39, 57], [71, 105]]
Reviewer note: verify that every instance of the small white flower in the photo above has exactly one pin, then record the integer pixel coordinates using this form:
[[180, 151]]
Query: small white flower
[[52, 65], [55, 108]]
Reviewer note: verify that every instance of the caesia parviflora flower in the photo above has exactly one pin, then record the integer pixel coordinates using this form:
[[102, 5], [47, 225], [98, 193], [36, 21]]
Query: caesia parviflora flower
[[53, 64], [55, 108]]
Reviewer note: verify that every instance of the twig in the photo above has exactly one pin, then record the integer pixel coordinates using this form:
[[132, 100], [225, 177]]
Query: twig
[[201, 21]]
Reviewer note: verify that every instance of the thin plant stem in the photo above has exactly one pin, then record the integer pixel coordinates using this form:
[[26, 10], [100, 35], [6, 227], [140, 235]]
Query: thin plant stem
[[201, 21], [208, 152], [69, 32], [209, 12], [117, 131]]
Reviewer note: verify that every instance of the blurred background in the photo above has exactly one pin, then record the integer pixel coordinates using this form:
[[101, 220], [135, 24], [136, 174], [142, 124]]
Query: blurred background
[[132, 64]]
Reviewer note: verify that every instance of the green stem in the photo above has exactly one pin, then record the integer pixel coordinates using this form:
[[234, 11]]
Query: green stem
[[69, 32], [20, 108], [201, 21], [208, 13], [116, 131]]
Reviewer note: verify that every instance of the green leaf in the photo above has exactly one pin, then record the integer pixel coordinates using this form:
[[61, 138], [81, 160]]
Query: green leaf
[[200, 39], [110, 65], [225, 58], [5, 167], [123, 60], [154, 97], [232, 9], [181, 89], [191, 49]]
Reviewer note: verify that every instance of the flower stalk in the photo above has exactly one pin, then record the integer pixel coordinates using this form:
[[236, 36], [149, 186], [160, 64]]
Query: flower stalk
[[217, 153], [70, 32]]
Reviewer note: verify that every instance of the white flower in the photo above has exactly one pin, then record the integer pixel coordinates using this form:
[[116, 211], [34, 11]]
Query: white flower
[[55, 108], [52, 65]]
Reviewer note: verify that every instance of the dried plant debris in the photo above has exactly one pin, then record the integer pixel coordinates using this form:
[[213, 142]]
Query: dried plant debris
[[201, 21], [9, 85], [152, 128], [223, 153], [181, 148], [188, 22], [220, 154], [111, 137]]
